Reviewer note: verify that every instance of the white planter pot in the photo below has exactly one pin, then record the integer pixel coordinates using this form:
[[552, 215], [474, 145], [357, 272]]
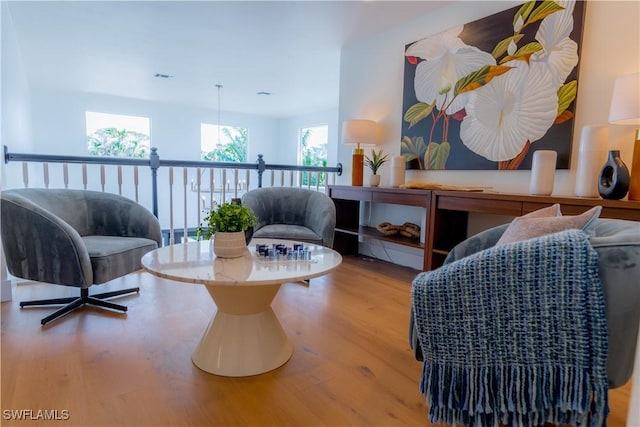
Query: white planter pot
[[229, 245], [374, 180]]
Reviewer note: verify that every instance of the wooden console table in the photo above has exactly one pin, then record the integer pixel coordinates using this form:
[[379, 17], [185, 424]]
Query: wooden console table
[[446, 214]]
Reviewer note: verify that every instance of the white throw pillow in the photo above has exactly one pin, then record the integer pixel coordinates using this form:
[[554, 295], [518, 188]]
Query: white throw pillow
[[537, 224]]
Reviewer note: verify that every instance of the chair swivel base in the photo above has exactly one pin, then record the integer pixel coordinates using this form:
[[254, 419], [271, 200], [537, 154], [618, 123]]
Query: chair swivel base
[[71, 303]]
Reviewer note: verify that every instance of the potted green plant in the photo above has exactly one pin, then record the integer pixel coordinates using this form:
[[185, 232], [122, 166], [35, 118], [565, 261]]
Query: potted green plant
[[228, 222], [374, 162]]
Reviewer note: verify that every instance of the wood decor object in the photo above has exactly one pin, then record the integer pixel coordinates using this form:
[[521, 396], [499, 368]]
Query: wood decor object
[[437, 186], [408, 229]]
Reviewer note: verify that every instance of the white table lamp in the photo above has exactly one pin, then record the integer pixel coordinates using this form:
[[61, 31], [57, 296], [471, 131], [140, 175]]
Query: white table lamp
[[625, 110]]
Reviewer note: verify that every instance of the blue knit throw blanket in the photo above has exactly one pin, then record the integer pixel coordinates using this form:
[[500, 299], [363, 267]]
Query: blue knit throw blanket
[[515, 335]]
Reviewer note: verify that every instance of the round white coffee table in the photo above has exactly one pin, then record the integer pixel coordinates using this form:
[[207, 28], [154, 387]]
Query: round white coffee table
[[244, 337]]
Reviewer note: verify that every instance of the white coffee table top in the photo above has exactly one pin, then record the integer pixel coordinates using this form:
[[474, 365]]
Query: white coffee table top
[[195, 262]]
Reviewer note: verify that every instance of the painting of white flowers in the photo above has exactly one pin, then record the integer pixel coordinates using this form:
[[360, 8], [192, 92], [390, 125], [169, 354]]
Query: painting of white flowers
[[487, 94]]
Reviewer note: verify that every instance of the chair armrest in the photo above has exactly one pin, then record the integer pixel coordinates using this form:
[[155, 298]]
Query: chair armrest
[[320, 216], [481, 241], [60, 258]]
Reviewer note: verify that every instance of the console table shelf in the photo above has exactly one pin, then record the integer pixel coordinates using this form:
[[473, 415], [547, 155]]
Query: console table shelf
[[446, 214], [348, 228], [373, 233]]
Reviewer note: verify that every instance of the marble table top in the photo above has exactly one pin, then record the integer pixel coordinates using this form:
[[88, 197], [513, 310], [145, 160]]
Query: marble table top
[[195, 262]]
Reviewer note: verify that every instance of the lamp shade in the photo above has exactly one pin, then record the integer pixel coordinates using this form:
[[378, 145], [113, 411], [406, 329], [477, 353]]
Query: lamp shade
[[356, 132], [625, 101]]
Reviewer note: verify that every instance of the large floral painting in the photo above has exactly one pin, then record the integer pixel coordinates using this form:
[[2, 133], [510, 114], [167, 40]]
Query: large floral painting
[[487, 94]]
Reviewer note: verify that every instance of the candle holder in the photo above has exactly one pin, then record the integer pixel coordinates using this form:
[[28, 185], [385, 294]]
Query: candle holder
[[543, 171]]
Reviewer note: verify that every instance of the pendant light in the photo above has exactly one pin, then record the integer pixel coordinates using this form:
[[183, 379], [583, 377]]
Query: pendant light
[[219, 144]]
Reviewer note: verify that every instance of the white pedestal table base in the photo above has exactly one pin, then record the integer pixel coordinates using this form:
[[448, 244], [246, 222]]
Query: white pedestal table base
[[244, 337]]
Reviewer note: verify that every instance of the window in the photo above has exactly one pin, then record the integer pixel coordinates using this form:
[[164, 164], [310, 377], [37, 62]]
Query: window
[[114, 135], [223, 143], [313, 151]]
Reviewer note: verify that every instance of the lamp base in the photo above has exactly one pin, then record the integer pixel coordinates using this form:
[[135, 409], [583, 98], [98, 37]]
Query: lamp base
[[634, 182], [357, 167]]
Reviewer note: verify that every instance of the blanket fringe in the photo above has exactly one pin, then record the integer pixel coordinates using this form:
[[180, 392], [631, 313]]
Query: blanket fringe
[[513, 396]]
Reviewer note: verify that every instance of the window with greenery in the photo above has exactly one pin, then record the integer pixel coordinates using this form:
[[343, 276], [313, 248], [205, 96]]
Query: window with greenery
[[114, 135], [223, 143], [313, 152]]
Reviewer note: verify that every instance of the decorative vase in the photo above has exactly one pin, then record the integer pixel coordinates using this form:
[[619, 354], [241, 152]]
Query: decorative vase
[[374, 180], [543, 171], [229, 244], [398, 166], [614, 178], [594, 142]]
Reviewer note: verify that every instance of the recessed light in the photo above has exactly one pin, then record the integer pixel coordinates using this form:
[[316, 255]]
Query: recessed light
[[262, 92], [163, 76]]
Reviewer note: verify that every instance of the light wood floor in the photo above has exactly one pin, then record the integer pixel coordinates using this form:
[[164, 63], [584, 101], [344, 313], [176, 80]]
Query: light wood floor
[[351, 366]]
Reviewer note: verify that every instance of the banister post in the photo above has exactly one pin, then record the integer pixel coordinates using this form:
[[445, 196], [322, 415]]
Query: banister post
[[261, 169], [154, 163]]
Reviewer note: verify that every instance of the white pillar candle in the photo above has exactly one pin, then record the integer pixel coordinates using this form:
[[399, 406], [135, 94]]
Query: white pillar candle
[[592, 155], [543, 171], [398, 164]]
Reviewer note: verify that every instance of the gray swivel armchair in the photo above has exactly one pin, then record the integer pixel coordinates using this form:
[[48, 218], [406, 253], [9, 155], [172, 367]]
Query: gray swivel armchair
[[293, 214], [616, 244], [75, 238]]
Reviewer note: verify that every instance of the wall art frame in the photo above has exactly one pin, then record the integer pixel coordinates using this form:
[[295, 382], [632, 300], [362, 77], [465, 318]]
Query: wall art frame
[[485, 95]]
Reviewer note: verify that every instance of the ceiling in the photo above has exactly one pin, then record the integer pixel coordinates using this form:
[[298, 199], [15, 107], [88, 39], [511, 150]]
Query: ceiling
[[288, 48]]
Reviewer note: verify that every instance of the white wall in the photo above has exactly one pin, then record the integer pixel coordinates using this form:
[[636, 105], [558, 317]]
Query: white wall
[[15, 110], [59, 124], [371, 84]]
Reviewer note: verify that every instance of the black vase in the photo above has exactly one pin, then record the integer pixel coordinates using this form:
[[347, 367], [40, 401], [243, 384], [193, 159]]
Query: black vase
[[613, 182]]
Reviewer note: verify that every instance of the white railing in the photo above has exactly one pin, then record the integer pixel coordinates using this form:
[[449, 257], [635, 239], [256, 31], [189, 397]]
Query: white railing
[[178, 192]]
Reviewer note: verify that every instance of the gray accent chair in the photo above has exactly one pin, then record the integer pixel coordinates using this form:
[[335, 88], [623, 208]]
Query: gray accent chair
[[292, 213], [75, 238], [617, 243]]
